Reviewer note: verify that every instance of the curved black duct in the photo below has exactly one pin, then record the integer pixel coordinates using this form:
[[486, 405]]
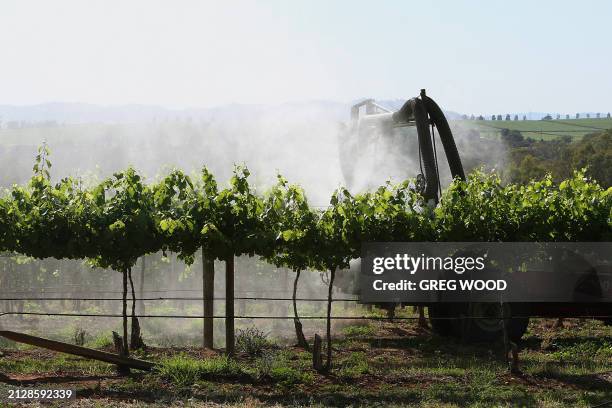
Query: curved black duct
[[425, 146], [450, 148]]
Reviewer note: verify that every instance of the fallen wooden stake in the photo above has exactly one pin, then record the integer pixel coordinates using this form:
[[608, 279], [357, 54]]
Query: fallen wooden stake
[[78, 350]]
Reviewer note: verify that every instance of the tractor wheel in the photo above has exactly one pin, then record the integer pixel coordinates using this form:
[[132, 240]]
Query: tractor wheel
[[439, 314], [478, 322], [484, 323]]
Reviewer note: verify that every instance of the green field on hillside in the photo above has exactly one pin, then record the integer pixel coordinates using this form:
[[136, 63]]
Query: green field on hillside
[[538, 129]]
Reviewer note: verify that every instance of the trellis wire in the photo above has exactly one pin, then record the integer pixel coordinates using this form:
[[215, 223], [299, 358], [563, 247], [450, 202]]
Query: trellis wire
[[183, 298], [246, 317]]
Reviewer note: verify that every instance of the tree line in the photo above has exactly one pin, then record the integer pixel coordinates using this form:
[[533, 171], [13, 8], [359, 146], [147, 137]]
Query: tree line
[[530, 158], [507, 117]]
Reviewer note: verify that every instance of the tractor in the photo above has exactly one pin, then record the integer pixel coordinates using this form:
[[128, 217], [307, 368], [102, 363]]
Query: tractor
[[369, 124]]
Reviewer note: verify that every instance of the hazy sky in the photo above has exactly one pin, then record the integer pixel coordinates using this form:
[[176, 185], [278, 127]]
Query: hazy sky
[[473, 57]]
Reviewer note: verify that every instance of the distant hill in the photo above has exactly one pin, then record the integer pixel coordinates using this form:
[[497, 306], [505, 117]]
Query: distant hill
[[82, 113]]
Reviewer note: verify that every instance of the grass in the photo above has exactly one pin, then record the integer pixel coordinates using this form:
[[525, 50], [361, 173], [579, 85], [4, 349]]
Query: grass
[[353, 366], [182, 370], [185, 371], [102, 340], [359, 331], [53, 366]]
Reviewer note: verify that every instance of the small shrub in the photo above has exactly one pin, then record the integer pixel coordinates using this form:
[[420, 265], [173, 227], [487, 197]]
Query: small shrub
[[252, 341]]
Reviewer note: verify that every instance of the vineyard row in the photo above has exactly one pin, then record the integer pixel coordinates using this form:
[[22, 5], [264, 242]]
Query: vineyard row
[[117, 221]]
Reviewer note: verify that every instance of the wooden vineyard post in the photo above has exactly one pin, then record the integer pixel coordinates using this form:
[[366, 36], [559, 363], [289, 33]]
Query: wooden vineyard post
[[328, 362], [208, 289], [317, 361], [229, 306]]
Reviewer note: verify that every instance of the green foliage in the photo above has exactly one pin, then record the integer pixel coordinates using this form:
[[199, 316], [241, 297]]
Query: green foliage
[[235, 226], [395, 213], [527, 169], [560, 157], [179, 213], [593, 152], [293, 224], [391, 213], [47, 220], [482, 209], [8, 225], [123, 226]]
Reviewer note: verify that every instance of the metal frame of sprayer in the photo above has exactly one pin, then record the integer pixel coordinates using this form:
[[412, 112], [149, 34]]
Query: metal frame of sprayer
[[421, 112]]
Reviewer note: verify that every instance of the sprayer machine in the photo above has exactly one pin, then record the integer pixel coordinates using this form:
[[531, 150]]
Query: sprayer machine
[[368, 117], [368, 120]]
